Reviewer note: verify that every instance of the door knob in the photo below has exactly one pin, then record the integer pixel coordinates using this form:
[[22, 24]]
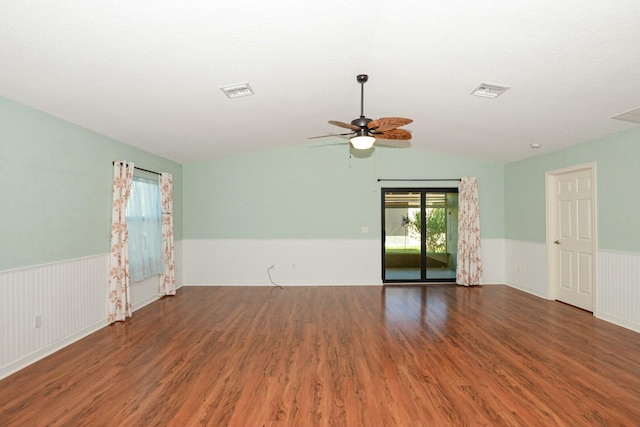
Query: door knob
[[557, 242]]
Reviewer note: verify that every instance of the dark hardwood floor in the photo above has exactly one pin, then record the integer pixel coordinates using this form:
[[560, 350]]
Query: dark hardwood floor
[[338, 356]]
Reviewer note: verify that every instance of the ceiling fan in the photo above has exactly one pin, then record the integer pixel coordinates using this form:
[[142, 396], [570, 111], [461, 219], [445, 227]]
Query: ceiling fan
[[365, 131]]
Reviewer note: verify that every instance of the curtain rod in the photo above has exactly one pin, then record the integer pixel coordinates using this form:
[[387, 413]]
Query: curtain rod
[[424, 179], [141, 169]]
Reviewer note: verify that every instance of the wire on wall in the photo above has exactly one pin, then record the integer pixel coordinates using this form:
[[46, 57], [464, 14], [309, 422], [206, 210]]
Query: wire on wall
[[270, 279]]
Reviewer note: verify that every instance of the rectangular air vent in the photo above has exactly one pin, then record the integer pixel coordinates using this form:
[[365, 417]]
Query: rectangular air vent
[[236, 91], [486, 90]]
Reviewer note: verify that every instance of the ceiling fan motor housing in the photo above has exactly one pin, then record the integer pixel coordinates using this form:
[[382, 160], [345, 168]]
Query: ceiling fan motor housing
[[362, 122]]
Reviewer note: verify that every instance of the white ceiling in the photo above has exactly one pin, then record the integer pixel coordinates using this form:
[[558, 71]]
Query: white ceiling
[[148, 73]]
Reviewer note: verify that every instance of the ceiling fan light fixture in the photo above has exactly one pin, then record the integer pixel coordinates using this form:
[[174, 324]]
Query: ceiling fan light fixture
[[362, 142]]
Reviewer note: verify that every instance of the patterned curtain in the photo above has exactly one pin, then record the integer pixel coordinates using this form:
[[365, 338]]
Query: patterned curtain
[[119, 299], [168, 277], [469, 270]]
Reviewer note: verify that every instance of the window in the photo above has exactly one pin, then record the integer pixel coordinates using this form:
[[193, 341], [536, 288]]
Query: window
[[144, 222]]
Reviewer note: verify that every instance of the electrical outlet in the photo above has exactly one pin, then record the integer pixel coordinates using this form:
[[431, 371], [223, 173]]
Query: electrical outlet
[[293, 266], [37, 321]]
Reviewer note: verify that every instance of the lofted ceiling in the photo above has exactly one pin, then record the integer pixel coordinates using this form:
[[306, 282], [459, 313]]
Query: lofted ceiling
[[148, 73]]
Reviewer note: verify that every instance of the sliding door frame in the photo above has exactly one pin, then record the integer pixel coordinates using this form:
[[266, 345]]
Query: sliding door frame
[[423, 226]]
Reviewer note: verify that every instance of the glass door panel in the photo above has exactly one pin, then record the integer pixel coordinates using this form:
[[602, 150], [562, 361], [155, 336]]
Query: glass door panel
[[441, 237], [402, 241]]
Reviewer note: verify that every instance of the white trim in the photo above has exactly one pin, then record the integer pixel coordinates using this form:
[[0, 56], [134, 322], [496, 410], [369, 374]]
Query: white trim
[[618, 321], [611, 251], [52, 263]]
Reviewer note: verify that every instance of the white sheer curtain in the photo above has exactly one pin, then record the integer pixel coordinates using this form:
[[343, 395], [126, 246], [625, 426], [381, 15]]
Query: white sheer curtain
[[144, 219], [119, 304], [469, 270], [167, 284]]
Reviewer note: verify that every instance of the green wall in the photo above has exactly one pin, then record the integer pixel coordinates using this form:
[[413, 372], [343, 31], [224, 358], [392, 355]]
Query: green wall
[[319, 191], [55, 187], [617, 159], [55, 183]]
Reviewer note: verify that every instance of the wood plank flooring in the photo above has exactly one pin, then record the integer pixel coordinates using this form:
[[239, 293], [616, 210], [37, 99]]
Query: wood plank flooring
[[338, 356]]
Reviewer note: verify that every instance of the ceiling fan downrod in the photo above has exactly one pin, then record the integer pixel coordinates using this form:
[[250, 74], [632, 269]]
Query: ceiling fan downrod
[[362, 121]]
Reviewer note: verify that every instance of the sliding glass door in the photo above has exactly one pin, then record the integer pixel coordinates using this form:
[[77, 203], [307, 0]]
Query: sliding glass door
[[419, 234]]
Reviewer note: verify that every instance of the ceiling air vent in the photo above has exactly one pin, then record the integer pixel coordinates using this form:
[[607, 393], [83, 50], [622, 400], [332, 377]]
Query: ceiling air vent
[[486, 90], [237, 91]]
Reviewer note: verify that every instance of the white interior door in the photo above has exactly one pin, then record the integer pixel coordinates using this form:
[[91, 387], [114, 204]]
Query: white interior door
[[572, 231]]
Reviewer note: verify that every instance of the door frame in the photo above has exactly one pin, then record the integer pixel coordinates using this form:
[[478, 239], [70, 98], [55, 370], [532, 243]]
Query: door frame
[[551, 178]]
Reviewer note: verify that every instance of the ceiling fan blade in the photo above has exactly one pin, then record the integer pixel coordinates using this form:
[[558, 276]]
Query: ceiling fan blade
[[392, 134], [386, 123], [392, 143], [330, 134], [330, 144], [344, 125]]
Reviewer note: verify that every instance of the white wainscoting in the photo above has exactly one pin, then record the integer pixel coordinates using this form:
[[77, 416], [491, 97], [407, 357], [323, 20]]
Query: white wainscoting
[[618, 289], [526, 266], [244, 262], [617, 280], [71, 298], [493, 268], [301, 262]]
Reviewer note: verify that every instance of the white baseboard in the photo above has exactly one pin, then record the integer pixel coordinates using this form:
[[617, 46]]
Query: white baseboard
[[43, 352], [618, 321]]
